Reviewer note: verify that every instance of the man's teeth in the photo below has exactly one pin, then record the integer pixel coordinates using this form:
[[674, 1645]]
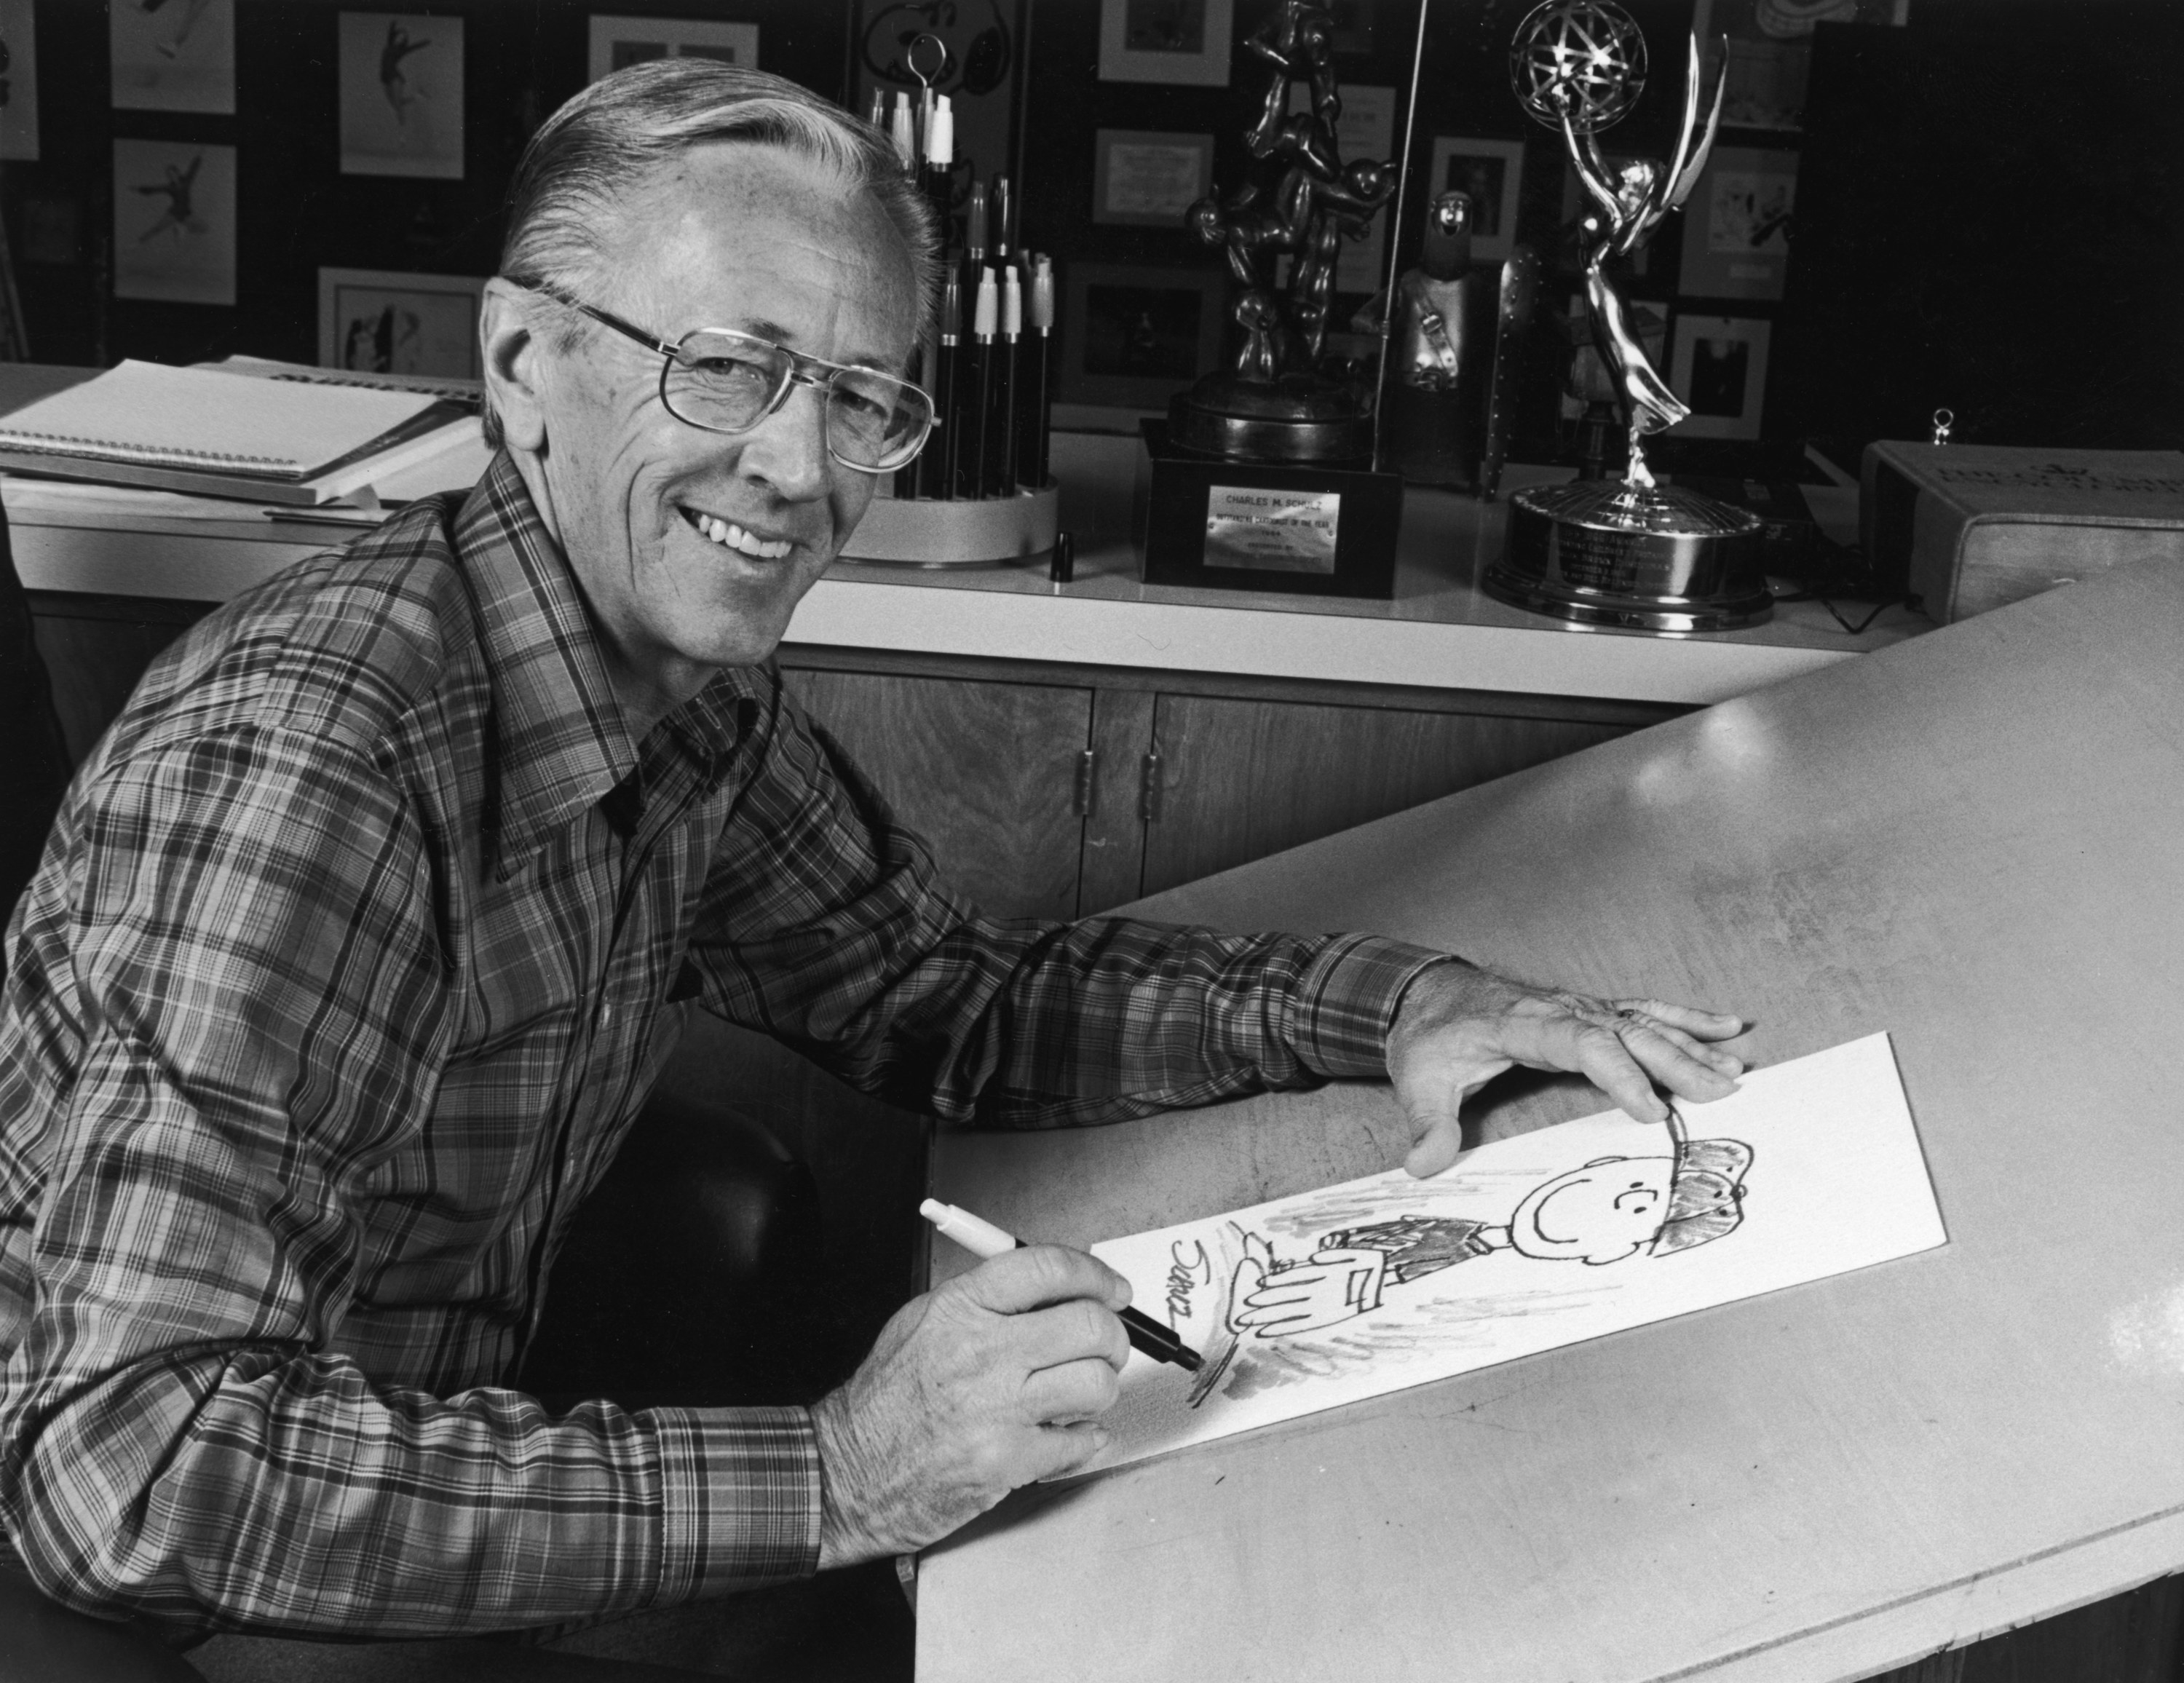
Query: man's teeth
[[728, 532]]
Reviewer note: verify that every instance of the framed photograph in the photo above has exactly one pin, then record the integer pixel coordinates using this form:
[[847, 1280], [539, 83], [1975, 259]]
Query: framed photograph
[[383, 322], [619, 42], [401, 95], [1134, 335], [1184, 41], [1721, 369], [174, 221], [172, 55], [1147, 178], [1736, 225], [1771, 53], [1492, 171], [19, 80]]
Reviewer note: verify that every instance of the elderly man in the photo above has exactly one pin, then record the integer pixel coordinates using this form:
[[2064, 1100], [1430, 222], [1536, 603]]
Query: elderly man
[[350, 954]]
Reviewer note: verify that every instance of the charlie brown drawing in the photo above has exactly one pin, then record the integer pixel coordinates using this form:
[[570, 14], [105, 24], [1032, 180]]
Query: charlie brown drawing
[[1611, 1209]]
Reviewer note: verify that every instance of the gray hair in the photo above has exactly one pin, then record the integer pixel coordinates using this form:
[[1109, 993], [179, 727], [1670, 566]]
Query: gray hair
[[591, 155]]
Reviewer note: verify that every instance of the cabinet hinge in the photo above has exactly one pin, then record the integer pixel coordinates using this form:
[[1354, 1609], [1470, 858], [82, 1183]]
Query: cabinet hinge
[[1088, 762], [1149, 789]]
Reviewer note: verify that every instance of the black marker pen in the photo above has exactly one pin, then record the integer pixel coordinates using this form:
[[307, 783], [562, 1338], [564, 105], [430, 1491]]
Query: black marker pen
[[1034, 372], [937, 478], [1001, 470], [985, 1241], [978, 449]]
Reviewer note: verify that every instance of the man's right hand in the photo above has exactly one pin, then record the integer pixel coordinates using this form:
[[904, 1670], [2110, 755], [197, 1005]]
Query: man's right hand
[[984, 1384]]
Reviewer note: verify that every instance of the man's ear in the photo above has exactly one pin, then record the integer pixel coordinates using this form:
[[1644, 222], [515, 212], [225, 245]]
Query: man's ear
[[514, 357]]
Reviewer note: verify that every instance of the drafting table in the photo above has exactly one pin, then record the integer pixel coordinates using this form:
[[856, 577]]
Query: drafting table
[[1975, 841]]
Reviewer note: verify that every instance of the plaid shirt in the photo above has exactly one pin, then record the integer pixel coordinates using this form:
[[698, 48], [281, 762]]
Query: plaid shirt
[[354, 949]]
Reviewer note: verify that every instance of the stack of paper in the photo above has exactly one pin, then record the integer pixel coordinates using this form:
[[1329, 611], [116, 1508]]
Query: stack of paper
[[219, 434]]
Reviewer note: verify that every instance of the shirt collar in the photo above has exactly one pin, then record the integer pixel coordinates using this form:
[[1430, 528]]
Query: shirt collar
[[561, 740]]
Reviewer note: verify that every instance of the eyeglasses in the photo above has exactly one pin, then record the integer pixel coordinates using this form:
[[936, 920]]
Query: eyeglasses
[[721, 381]]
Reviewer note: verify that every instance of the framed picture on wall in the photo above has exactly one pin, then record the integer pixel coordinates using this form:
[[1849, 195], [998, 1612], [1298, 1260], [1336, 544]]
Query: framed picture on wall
[[619, 42], [1134, 335], [1147, 178], [401, 95], [1721, 369], [19, 111], [1771, 53], [174, 221], [177, 57], [1736, 228], [385, 321], [1492, 171], [1167, 40]]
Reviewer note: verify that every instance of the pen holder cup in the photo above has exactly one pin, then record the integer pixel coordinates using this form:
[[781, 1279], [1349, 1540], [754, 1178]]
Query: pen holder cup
[[983, 532]]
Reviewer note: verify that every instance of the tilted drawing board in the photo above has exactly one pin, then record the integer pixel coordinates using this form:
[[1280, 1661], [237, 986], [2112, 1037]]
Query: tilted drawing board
[[1811, 1168]]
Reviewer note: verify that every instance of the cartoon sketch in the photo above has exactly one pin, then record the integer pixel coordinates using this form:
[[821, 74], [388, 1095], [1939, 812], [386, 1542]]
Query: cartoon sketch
[[1607, 1211], [1538, 1242], [392, 81], [184, 18], [179, 189]]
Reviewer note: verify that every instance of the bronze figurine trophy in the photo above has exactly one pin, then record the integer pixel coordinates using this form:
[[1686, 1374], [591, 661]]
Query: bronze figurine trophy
[[1273, 404], [1261, 475], [1627, 552]]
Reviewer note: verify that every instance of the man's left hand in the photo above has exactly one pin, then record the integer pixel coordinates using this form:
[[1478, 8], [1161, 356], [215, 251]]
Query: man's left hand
[[1459, 1027]]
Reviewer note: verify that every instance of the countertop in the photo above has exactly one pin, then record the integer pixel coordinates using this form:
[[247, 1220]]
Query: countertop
[[1440, 631]]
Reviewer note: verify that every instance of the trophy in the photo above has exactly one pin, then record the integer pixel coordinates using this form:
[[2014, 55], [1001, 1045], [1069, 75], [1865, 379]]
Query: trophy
[[1301, 201], [1627, 552], [1261, 476]]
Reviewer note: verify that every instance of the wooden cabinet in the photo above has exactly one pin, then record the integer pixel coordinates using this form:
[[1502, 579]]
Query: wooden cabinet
[[986, 772], [1048, 790], [1051, 791], [96, 647], [1237, 780]]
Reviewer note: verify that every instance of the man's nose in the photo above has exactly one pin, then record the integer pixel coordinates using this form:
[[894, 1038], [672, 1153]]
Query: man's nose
[[788, 449]]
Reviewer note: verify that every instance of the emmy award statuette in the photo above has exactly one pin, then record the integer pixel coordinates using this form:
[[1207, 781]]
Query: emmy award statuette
[[1627, 552], [1262, 477]]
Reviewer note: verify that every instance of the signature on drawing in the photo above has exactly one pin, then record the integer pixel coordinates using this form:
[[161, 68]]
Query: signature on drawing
[[1185, 1272]]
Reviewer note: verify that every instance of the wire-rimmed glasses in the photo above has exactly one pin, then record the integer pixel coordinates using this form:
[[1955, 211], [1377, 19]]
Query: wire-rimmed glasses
[[721, 380]]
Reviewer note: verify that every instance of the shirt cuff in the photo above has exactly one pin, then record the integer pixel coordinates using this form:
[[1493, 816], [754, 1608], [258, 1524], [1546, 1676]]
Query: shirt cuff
[[740, 1497], [1347, 999]]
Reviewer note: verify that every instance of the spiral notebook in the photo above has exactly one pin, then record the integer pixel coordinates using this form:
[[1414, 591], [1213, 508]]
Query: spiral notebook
[[199, 429]]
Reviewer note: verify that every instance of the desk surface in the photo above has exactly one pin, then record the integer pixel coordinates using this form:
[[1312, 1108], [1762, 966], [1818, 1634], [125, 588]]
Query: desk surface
[[1440, 631], [1971, 841]]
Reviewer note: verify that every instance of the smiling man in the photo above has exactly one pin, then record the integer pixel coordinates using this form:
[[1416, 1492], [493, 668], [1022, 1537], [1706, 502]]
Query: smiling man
[[352, 954]]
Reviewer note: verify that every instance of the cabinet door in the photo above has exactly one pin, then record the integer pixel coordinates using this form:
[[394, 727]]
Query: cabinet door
[[1239, 780], [95, 648], [986, 772]]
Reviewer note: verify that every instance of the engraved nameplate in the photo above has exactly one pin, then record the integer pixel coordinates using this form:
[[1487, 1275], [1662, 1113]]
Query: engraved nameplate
[[1271, 530]]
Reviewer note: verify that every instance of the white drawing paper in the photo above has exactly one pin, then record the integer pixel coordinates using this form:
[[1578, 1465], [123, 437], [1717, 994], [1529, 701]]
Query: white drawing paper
[[401, 95], [174, 221], [173, 55], [1812, 1168], [19, 80]]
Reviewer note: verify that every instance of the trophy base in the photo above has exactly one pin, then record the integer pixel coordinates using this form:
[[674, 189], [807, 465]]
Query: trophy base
[[1643, 558], [1305, 528], [1299, 418]]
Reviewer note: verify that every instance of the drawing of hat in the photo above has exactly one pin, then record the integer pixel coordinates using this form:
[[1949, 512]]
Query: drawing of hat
[[1707, 1199]]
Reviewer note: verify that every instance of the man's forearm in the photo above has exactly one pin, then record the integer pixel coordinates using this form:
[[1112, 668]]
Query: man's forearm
[[249, 1492]]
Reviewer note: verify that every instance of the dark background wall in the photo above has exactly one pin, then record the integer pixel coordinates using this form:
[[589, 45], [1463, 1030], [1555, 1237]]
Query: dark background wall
[[1982, 217]]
